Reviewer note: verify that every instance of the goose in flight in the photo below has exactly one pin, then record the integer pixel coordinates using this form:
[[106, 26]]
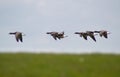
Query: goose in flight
[[103, 33], [82, 34], [86, 34], [91, 34], [18, 36], [57, 35]]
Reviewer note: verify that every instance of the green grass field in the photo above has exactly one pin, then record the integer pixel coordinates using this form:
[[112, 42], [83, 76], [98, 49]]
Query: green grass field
[[59, 65]]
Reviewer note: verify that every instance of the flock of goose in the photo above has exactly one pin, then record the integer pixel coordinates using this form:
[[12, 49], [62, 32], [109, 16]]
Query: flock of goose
[[60, 35]]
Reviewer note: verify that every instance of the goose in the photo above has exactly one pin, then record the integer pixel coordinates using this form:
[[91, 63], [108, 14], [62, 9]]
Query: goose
[[53, 34], [86, 34], [103, 33], [57, 35], [61, 35], [82, 34], [18, 36]]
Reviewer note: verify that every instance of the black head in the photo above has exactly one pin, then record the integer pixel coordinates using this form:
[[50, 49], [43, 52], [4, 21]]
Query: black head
[[77, 33]]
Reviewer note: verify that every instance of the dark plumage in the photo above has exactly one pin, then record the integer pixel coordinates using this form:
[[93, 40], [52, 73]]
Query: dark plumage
[[57, 35], [86, 34], [91, 34], [102, 33], [18, 36], [82, 34]]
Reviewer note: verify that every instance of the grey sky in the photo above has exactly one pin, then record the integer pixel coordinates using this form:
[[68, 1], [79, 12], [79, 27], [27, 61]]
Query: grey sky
[[36, 17]]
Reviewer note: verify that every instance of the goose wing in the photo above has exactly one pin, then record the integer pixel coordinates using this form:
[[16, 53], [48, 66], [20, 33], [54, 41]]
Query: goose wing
[[93, 37], [54, 37], [84, 36], [20, 37]]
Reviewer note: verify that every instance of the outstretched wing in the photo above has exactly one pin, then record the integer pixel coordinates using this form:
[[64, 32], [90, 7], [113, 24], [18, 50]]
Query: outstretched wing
[[20, 37], [93, 37], [17, 35], [54, 37], [85, 37]]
